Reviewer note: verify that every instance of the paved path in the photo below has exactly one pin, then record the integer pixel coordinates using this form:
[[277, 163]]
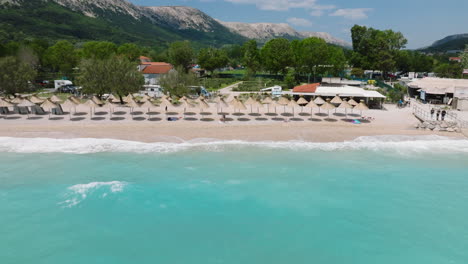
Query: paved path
[[228, 89]]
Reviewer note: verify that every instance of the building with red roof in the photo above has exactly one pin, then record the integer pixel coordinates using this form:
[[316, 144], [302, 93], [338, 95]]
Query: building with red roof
[[152, 71], [306, 88]]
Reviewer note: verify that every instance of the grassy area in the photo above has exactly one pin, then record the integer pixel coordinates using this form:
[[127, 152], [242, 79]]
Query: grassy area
[[240, 71], [214, 84]]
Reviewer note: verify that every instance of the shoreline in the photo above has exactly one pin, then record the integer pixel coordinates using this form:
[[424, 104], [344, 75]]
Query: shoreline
[[183, 131], [392, 121]]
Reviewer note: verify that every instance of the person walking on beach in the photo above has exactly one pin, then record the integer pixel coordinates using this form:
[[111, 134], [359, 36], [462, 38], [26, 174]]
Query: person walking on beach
[[443, 114], [432, 113], [438, 114]]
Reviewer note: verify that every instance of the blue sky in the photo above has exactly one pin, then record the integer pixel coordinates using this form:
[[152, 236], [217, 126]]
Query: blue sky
[[421, 21]]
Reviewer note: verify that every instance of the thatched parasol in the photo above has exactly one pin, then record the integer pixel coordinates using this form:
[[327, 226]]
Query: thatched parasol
[[252, 103], [336, 100], [293, 105], [17, 100], [36, 100], [55, 99], [327, 106], [352, 102], [75, 100], [302, 101], [97, 100], [48, 105], [26, 103], [145, 99], [361, 107], [283, 101], [165, 104], [4, 103], [203, 105], [345, 105], [312, 105], [268, 101], [239, 106], [92, 105], [69, 104], [148, 105], [319, 101]]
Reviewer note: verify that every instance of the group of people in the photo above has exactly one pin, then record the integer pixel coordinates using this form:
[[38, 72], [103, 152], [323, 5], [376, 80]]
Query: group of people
[[439, 114]]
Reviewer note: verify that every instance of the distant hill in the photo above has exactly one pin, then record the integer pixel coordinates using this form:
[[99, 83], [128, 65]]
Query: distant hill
[[113, 20], [447, 44], [263, 32], [120, 21]]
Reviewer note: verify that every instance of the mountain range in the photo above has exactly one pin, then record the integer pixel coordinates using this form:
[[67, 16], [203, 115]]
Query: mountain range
[[451, 43], [121, 21]]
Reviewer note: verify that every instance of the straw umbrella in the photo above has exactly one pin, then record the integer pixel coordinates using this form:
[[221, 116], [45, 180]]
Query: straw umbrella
[[165, 104], [49, 105], [302, 101], [4, 103], [97, 100], [221, 103], [283, 101], [54, 99], [336, 101], [268, 101], [145, 98], [69, 104], [293, 105], [239, 106], [312, 105], [132, 104], [319, 101], [203, 105], [108, 105], [75, 100], [251, 102], [26, 103], [148, 105], [327, 106], [361, 107], [36, 100], [352, 102], [92, 105], [345, 105], [16, 100]]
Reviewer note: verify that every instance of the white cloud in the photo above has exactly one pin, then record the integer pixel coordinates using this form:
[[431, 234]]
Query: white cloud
[[281, 5], [301, 22], [352, 13]]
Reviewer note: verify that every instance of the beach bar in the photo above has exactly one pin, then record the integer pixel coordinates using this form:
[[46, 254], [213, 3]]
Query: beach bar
[[372, 98]]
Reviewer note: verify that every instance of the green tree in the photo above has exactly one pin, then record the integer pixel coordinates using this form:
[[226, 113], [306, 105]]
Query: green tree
[[61, 57], [449, 70], [251, 57], [464, 58], [212, 59], [117, 75], [15, 76], [290, 79], [337, 60], [130, 51], [376, 49], [358, 72], [181, 54], [98, 49], [177, 82], [312, 53], [277, 55]]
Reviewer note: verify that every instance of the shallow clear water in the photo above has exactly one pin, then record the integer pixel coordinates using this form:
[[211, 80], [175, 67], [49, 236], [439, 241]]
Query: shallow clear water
[[236, 203]]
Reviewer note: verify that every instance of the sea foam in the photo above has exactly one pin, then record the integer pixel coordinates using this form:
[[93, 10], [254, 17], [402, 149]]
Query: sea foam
[[407, 144], [79, 192]]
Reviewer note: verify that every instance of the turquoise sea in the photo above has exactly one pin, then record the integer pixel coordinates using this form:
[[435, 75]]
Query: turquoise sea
[[379, 200]]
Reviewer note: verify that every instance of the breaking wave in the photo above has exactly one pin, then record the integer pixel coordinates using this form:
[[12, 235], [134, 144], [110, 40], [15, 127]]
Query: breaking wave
[[373, 143], [79, 192]]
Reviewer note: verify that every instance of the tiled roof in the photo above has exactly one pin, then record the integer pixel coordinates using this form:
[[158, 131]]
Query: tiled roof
[[160, 68], [307, 88]]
